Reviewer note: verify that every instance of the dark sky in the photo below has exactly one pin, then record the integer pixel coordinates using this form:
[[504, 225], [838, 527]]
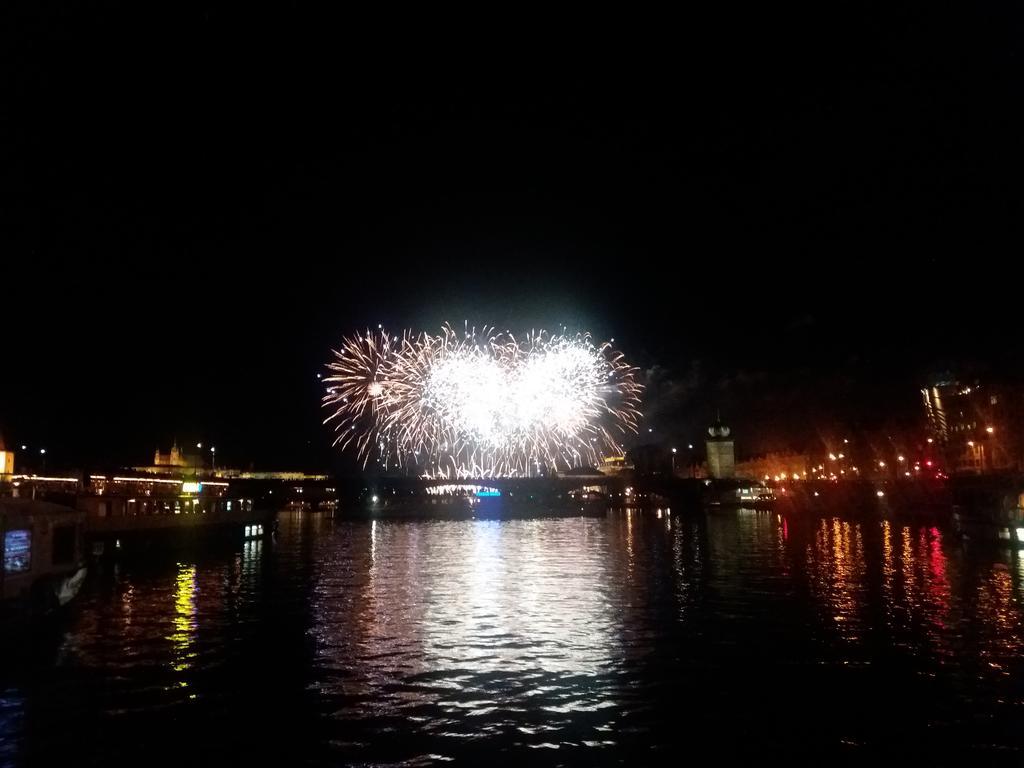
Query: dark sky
[[792, 214]]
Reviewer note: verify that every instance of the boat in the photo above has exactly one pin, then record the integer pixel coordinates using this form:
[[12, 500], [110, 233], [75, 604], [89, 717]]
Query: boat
[[126, 514], [42, 548]]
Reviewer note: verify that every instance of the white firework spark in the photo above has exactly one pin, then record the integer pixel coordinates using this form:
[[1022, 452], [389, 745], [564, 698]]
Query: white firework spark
[[481, 405]]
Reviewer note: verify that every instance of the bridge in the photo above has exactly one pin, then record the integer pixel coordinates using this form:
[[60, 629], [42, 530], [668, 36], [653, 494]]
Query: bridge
[[678, 491]]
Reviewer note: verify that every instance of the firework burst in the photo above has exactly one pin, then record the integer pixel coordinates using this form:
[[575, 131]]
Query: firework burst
[[480, 404]]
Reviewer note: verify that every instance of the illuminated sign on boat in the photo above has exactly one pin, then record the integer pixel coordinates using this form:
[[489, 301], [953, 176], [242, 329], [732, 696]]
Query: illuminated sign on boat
[[17, 551], [190, 487]]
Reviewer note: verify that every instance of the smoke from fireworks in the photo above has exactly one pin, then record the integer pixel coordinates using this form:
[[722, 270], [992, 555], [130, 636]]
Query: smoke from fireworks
[[480, 405]]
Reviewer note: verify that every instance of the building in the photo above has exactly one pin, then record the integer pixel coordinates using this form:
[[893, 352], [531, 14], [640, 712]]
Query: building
[[614, 465], [775, 466], [978, 425], [6, 463], [177, 464], [721, 452], [285, 475], [174, 458]]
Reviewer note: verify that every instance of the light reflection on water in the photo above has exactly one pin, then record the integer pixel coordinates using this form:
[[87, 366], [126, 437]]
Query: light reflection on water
[[580, 640], [184, 619], [467, 628]]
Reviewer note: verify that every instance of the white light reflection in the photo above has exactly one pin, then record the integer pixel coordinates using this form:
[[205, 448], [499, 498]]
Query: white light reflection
[[534, 604], [507, 593]]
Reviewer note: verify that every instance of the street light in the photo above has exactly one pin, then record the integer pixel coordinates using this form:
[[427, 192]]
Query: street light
[[990, 430], [213, 454], [673, 461]]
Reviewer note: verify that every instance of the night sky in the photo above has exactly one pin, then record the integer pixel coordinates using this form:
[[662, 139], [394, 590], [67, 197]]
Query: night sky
[[793, 216]]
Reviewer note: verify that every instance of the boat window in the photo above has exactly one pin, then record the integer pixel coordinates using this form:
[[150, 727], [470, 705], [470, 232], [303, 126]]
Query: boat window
[[63, 544], [17, 551]]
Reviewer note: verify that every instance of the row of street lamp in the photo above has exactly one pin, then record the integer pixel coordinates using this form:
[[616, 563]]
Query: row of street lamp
[[689, 447], [213, 455], [42, 452]]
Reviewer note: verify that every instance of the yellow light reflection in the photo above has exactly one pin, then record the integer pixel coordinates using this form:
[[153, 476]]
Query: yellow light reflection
[[999, 616], [836, 569], [183, 636]]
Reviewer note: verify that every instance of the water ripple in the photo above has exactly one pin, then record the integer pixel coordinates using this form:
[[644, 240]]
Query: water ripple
[[574, 641]]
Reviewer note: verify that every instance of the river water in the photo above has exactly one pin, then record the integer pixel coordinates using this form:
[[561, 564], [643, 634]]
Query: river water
[[631, 639]]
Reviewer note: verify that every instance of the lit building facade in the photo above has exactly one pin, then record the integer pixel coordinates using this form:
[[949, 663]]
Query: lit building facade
[[174, 458], [6, 461], [174, 462], [614, 465], [775, 466], [178, 464], [721, 452], [979, 426]]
